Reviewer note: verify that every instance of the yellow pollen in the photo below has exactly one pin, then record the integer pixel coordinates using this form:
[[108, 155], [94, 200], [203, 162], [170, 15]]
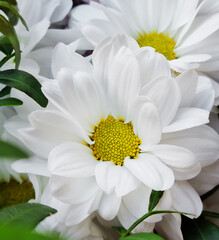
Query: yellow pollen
[[160, 42], [13, 192], [114, 141]]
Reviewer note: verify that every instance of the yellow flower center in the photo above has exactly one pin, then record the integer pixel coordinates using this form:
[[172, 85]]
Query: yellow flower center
[[13, 193], [160, 42], [114, 141]]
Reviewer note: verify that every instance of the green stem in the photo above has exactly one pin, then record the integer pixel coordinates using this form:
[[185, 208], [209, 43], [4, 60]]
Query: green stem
[[135, 224]]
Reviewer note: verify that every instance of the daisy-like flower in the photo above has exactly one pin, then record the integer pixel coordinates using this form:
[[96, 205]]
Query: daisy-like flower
[[184, 31], [107, 142]]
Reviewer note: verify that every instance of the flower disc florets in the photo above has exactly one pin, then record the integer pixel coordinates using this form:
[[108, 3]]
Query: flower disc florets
[[160, 42], [114, 141]]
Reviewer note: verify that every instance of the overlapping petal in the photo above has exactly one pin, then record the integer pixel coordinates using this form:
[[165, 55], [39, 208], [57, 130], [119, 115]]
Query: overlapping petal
[[151, 171]]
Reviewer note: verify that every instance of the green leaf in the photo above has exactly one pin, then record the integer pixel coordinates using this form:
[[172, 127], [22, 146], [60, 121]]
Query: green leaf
[[143, 236], [10, 151], [5, 45], [5, 91], [22, 233], [4, 6], [210, 214], [154, 199], [24, 82], [199, 229], [10, 102], [8, 30], [25, 214]]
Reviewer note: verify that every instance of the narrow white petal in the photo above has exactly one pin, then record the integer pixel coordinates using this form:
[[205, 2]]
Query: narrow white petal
[[83, 97], [187, 118], [141, 197], [182, 161], [127, 219], [111, 177], [205, 93], [166, 95], [64, 56], [146, 120], [186, 199], [73, 190], [109, 47], [72, 159], [123, 83], [35, 34], [187, 83], [153, 65], [169, 227], [207, 179], [50, 128], [109, 206], [203, 141], [33, 165], [151, 171], [202, 27]]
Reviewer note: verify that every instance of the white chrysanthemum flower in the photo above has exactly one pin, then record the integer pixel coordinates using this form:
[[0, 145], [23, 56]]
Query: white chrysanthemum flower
[[184, 31], [115, 133]]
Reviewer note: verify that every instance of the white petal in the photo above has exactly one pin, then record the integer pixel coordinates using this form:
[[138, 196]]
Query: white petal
[[111, 177], [140, 196], [202, 141], [50, 128], [146, 120], [83, 13], [62, 9], [33, 165], [64, 56], [153, 65], [72, 159], [201, 28], [35, 34], [187, 118], [151, 171], [78, 212], [109, 47], [187, 83], [205, 93], [207, 179], [166, 95], [182, 161], [43, 62], [73, 190], [123, 83], [83, 97], [169, 227], [109, 206], [186, 199], [127, 219]]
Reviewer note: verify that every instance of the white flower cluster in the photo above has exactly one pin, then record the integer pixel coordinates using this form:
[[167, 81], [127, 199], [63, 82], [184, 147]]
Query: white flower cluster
[[131, 86]]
